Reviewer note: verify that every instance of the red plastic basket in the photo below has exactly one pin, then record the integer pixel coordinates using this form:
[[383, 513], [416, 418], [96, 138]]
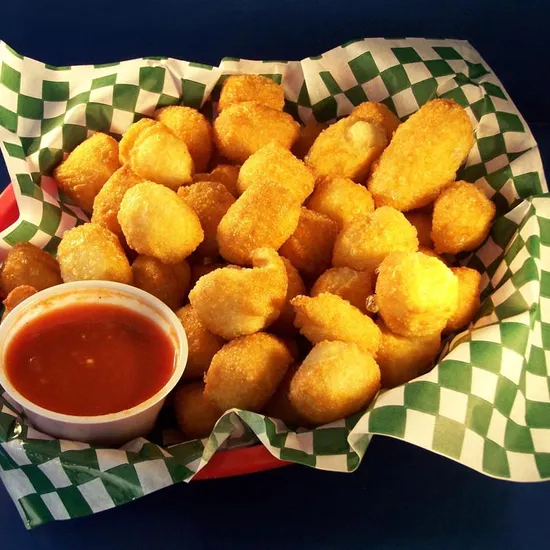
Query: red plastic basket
[[224, 463]]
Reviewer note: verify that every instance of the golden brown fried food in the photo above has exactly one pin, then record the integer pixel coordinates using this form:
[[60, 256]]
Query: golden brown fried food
[[469, 282], [335, 380], [159, 156], [275, 163], [192, 128], [367, 240], [156, 222], [265, 215], [91, 252], [416, 294], [234, 301], [329, 317], [462, 218], [341, 200], [423, 156], [129, 138], [308, 134], [431, 252], [245, 373], [285, 322], [225, 174], [244, 128], [196, 414], [251, 87], [353, 286], [309, 248], [203, 344], [347, 148], [210, 201], [107, 201], [168, 282], [18, 295], [28, 265], [422, 222], [371, 111], [279, 406], [84, 172], [201, 266], [402, 358]]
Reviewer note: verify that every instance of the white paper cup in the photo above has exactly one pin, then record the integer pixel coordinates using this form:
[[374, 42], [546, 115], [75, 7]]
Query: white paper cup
[[108, 429]]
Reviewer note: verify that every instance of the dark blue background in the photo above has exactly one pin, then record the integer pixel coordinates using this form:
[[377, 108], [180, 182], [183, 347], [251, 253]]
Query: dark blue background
[[401, 497]]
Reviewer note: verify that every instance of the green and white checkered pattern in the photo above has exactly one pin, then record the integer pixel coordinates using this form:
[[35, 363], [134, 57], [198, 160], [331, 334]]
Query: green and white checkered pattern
[[487, 402]]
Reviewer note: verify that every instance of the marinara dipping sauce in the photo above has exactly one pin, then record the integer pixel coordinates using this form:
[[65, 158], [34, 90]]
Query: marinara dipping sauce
[[90, 359]]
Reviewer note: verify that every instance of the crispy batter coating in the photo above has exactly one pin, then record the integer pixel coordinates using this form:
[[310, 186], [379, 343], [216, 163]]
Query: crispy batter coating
[[159, 156], [91, 252], [226, 174], [168, 282], [16, 296], [245, 373], [335, 380], [351, 285], [308, 134], [371, 111], [469, 282], [341, 199], [156, 222], [347, 148], [251, 87], [423, 156], [329, 317], [265, 215], [462, 218], [422, 222], [84, 172], [192, 128], [210, 201], [367, 240], [196, 414], [244, 128], [431, 252], [201, 265], [26, 264], [416, 294], [235, 301], [309, 248], [276, 163], [279, 406], [402, 358], [203, 344], [107, 201], [129, 138]]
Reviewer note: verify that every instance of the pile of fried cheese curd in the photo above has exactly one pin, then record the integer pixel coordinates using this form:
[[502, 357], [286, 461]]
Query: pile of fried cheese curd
[[309, 265]]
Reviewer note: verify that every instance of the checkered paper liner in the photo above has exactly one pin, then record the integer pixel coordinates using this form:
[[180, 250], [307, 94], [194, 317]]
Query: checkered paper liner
[[487, 402]]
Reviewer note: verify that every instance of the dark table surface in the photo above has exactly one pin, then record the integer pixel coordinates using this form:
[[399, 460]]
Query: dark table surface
[[402, 496]]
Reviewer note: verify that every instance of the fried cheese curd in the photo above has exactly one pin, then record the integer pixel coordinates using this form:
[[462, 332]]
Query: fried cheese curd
[[195, 414], [423, 156], [168, 282], [210, 201], [351, 285], [129, 138], [371, 111], [192, 128], [309, 132], [235, 301], [310, 246], [87, 168], [367, 240], [341, 200], [156, 222], [244, 128], [239, 88], [201, 265], [469, 282], [15, 297], [203, 344], [402, 358], [28, 265], [422, 222], [279, 406], [226, 174], [91, 252], [335, 380], [462, 218], [246, 372], [330, 317], [416, 294], [265, 215], [347, 148], [276, 163]]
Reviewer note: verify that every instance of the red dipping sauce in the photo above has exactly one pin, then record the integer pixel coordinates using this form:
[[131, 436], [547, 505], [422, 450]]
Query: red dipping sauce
[[90, 360]]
